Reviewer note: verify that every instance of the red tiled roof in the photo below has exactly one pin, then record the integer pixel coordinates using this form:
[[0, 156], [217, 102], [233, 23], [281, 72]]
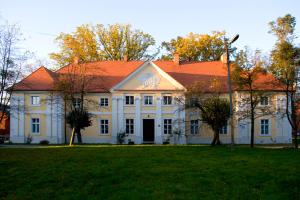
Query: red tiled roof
[[40, 80], [106, 74]]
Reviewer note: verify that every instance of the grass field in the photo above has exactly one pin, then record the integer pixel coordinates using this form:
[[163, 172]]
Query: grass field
[[149, 172]]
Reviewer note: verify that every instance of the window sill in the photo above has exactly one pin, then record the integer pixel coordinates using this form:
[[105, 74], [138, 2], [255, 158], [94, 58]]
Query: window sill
[[265, 135], [35, 105]]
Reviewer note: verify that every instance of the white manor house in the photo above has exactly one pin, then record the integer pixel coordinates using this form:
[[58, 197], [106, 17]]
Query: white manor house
[[139, 98]]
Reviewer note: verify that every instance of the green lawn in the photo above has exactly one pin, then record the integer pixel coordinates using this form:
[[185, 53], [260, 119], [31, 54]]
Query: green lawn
[[149, 172]]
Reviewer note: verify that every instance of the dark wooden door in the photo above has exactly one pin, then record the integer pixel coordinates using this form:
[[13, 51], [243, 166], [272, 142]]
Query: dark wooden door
[[148, 130]]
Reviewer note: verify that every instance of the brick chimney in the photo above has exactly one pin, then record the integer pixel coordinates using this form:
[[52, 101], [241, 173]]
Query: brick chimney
[[125, 59], [176, 58], [224, 58], [75, 60]]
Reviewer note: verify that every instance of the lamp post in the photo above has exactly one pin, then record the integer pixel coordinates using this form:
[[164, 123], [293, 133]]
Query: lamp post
[[227, 47]]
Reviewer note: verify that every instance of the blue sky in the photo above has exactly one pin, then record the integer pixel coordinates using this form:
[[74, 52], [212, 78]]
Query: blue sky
[[41, 21]]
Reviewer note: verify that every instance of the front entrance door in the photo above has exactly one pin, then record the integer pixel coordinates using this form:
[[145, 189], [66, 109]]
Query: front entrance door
[[148, 130]]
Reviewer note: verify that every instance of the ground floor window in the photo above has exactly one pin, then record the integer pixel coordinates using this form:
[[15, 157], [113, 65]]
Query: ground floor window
[[35, 125], [223, 130], [264, 127], [103, 126], [129, 126], [167, 126], [194, 126]]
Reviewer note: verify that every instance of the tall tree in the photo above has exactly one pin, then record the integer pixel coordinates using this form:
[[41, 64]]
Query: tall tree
[[73, 86], [213, 106], [196, 47], [246, 71], [11, 64], [284, 62], [93, 43]]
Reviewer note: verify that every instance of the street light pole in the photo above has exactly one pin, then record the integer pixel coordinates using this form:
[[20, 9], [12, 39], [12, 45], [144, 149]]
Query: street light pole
[[227, 47]]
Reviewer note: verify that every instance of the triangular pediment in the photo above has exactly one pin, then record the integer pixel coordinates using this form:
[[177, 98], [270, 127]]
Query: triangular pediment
[[148, 77]]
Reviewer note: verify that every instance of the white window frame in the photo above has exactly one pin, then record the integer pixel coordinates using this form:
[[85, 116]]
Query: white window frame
[[263, 127], [129, 126], [33, 102], [194, 127], [105, 125], [129, 103], [150, 97], [105, 102], [37, 124], [262, 101], [167, 96], [167, 126]]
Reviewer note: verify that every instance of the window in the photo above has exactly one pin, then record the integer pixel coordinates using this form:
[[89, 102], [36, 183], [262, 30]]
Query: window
[[76, 102], [264, 127], [103, 126], [167, 126], [129, 100], [148, 100], [129, 126], [194, 126], [193, 101], [35, 125], [35, 100], [167, 100], [103, 102], [223, 130], [264, 101]]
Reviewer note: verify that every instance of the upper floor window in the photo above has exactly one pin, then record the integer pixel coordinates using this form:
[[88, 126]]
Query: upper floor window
[[129, 126], [264, 127], [194, 126], [264, 101], [148, 100], [129, 100], [167, 100], [223, 130], [104, 126], [35, 100], [167, 126], [103, 101], [76, 102], [35, 125]]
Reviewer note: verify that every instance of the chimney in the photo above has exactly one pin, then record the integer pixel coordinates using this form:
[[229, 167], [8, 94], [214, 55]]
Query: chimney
[[75, 60], [176, 58], [125, 59], [224, 58]]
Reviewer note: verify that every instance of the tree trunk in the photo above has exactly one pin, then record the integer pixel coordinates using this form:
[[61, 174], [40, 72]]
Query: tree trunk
[[79, 138], [295, 138], [252, 107], [252, 129], [216, 139]]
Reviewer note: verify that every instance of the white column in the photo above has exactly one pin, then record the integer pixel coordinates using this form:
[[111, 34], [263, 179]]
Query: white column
[[121, 113], [14, 119], [49, 116], [158, 120], [138, 132], [57, 116], [22, 118], [182, 125], [114, 122]]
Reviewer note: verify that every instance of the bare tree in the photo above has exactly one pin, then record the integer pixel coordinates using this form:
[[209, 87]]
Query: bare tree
[[11, 63]]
